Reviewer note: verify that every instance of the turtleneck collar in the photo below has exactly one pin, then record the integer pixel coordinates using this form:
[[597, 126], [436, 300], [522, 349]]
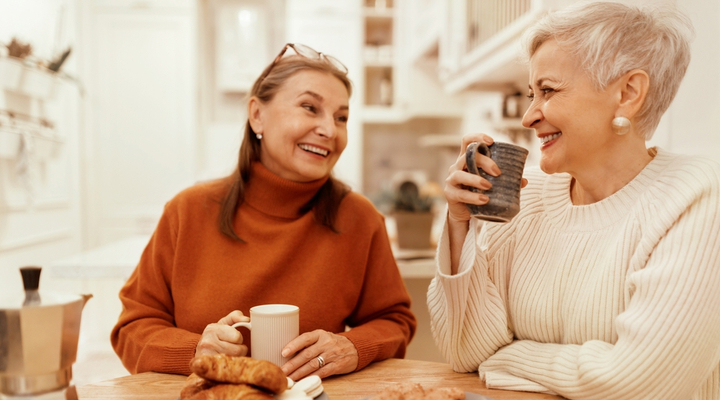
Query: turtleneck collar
[[273, 195]]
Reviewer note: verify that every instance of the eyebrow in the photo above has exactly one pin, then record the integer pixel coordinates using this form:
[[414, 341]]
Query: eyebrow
[[320, 98], [540, 81]]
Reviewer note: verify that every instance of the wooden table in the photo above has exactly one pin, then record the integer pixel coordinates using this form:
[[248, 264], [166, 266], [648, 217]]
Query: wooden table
[[371, 380]]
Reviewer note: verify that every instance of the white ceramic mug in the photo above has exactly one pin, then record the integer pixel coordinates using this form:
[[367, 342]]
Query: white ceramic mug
[[272, 326]]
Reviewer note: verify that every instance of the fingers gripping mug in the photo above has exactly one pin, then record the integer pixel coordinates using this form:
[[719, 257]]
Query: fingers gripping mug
[[504, 194], [272, 326]]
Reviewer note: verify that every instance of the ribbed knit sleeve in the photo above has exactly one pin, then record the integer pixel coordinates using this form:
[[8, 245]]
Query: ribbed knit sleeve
[[146, 337], [466, 305], [616, 299]]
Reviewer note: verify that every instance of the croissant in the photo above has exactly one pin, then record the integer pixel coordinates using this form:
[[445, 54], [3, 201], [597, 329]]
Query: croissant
[[225, 391], [245, 370], [193, 385]]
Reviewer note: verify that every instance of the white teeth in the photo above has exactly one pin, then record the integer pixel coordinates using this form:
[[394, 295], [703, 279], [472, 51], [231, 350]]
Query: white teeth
[[314, 149], [548, 138]]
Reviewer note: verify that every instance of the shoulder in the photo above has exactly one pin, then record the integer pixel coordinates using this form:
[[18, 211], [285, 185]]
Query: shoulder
[[684, 165], [687, 176], [356, 209], [357, 204]]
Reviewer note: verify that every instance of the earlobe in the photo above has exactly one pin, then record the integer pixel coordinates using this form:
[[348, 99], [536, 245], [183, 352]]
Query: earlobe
[[254, 115], [634, 90]]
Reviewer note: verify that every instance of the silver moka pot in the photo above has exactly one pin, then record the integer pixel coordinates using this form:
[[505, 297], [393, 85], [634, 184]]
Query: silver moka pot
[[38, 338]]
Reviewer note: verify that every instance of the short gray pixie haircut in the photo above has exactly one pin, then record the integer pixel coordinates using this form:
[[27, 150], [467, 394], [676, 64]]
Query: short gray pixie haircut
[[610, 39]]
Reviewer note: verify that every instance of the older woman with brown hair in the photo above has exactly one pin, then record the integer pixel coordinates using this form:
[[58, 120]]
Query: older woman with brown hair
[[280, 229], [606, 285]]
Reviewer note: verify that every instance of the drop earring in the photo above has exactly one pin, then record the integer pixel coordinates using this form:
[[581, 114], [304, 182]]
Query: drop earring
[[621, 125], [258, 136]]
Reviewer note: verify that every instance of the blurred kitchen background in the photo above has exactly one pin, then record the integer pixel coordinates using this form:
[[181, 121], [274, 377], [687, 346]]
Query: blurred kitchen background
[[150, 99]]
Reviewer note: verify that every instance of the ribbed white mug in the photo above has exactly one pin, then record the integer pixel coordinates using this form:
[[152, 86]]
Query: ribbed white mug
[[272, 326]]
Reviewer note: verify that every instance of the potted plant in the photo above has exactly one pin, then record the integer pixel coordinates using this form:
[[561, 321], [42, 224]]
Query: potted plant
[[11, 67], [412, 208]]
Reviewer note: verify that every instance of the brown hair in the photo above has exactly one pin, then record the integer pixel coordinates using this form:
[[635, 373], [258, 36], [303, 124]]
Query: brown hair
[[327, 200]]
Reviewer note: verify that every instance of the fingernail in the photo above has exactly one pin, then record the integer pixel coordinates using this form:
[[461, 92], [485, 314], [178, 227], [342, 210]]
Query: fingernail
[[483, 198], [285, 353], [495, 170]]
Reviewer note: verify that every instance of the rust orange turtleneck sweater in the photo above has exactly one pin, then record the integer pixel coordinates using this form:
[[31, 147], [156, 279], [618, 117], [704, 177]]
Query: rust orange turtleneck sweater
[[191, 275]]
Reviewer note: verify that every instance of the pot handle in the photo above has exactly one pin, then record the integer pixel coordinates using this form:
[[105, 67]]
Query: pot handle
[[31, 282], [31, 277]]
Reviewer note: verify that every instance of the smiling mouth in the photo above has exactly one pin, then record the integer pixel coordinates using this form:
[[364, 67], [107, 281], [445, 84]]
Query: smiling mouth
[[548, 138], [314, 150]]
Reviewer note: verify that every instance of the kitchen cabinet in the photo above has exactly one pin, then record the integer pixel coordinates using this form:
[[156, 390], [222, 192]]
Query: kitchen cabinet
[[378, 21], [403, 97], [399, 84], [479, 42]]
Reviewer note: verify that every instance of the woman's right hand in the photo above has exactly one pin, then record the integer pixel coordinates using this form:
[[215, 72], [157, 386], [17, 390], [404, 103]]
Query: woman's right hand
[[221, 337], [458, 178]]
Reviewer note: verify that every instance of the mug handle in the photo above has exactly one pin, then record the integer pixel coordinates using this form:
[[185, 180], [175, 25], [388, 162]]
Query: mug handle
[[473, 147], [245, 324]]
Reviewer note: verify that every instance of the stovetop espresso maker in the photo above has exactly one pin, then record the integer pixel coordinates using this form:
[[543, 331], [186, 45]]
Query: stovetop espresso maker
[[38, 338]]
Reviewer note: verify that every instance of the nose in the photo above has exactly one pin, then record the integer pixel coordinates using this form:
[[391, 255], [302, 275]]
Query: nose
[[326, 127], [532, 115]]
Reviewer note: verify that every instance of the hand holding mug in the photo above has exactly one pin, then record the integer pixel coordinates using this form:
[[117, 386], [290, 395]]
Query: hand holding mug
[[221, 337], [470, 181], [459, 180], [504, 194]]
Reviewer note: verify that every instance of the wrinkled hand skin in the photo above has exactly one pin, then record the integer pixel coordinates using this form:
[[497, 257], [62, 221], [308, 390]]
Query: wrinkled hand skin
[[240, 370], [222, 338], [339, 353]]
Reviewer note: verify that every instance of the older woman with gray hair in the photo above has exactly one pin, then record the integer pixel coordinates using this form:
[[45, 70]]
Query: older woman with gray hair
[[606, 285]]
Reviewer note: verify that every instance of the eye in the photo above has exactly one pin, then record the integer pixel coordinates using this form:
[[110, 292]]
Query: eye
[[531, 96], [342, 118], [309, 107], [547, 90]]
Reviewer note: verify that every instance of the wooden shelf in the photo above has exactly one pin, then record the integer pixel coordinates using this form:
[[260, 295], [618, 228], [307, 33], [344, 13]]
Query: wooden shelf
[[373, 13], [29, 80], [440, 140]]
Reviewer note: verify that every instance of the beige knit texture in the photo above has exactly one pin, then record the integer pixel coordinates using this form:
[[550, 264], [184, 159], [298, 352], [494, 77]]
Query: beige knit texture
[[615, 300]]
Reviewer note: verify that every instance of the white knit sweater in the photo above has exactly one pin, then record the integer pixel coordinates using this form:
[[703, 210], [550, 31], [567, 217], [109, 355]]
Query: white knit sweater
[[615, 300]]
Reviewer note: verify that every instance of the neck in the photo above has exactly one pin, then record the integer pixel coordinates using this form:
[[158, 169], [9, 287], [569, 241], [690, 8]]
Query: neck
[[608, 174]]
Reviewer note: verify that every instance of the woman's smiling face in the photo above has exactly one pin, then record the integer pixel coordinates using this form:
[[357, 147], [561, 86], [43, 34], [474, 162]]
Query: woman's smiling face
[[303, 127], [570, 116]]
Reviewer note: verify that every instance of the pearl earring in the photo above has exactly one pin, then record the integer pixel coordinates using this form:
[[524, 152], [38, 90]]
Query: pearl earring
[[258, 136], [621, 125]]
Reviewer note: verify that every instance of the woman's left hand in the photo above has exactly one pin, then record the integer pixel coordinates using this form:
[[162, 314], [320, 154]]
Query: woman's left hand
[[338, 353]]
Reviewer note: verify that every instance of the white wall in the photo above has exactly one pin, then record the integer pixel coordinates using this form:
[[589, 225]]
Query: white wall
[[693, 120], [141, 130]]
